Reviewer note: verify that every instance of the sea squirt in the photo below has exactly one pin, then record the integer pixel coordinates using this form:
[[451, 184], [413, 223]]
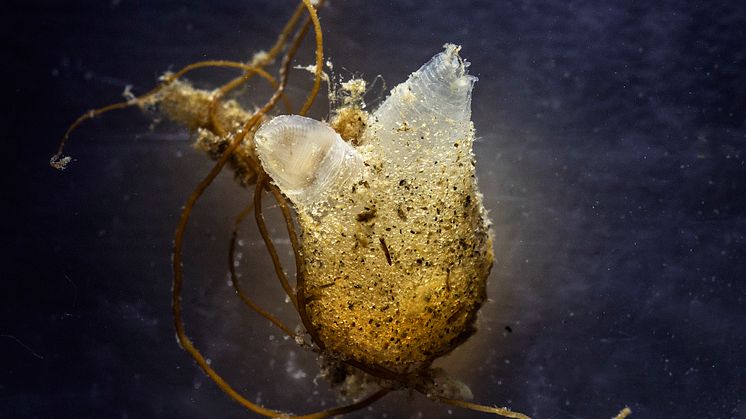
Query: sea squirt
[[396, 245]]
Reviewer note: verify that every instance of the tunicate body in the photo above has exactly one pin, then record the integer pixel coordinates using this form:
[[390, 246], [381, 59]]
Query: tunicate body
[[396, 245]]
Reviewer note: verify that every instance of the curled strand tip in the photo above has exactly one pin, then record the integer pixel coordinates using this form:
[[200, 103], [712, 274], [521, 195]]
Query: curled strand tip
[[59, 161]]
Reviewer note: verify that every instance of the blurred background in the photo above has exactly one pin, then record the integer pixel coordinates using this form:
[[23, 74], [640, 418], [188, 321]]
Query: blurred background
[[611, 155]]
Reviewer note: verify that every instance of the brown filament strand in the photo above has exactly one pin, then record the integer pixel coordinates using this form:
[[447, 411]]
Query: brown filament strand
[[281, 275], [234, 278], [184, 340]]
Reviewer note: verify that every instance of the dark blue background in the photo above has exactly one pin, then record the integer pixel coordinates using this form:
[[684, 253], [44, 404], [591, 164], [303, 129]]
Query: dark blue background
[[611, 153]]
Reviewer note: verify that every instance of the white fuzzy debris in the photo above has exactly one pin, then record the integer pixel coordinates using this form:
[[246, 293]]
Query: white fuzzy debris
[[260, 57], [128, 95], [312, 69], [59, 162]]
